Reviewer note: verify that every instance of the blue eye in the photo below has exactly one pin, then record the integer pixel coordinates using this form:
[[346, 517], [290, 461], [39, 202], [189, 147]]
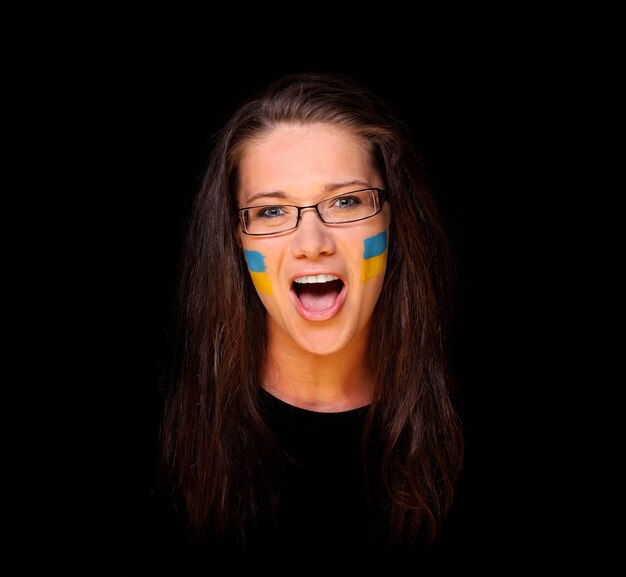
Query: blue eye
[[270, 212], [347, 202]]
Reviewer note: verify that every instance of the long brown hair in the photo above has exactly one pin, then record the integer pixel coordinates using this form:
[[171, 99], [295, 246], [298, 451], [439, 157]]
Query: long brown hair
[[216, 447]]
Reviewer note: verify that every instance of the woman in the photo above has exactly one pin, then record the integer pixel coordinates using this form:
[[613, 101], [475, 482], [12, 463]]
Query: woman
[[310, 407]]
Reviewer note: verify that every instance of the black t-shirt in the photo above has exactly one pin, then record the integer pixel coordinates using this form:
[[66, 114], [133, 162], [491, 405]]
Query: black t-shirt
[[323, 526], [323, 503]]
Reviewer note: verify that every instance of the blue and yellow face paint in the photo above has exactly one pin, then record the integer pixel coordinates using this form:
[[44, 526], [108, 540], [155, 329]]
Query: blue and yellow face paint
[[374, 256], [256, 266]]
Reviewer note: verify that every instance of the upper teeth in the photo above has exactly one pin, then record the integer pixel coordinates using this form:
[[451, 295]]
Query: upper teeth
[[316, 278]]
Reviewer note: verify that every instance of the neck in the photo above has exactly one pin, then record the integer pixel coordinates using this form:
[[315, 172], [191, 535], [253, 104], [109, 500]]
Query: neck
[[330, 383]]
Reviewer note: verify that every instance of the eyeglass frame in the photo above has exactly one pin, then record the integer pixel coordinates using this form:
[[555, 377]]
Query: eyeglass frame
[[380, 195]]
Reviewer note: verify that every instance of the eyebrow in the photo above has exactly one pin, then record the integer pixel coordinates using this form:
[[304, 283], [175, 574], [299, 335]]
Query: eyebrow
[[326, 189]]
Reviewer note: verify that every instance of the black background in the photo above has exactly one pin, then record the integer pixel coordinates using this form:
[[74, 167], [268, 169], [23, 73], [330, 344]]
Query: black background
[[493, 110]]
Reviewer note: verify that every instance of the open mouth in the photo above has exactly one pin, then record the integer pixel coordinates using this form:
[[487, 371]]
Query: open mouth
[[317, 292]]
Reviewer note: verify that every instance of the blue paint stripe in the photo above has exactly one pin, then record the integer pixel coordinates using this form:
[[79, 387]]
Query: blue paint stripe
[[255, 260], [375, 245]]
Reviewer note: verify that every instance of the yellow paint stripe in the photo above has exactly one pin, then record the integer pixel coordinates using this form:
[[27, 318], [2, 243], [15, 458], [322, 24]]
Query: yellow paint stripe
[[261, 282], [373, 266]]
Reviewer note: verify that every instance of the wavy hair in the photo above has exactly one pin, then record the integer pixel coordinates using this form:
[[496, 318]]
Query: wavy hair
[[217, 451]]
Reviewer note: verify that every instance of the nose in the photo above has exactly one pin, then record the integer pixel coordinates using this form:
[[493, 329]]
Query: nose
[[312, 238]]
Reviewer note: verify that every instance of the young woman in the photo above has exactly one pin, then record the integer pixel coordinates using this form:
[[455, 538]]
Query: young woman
[[310, 414]]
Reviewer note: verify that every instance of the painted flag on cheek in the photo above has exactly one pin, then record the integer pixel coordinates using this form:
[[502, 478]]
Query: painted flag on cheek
[[374, 256], [256, 266]]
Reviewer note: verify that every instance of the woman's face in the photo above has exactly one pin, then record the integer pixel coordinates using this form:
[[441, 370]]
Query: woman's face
[[301, 165]]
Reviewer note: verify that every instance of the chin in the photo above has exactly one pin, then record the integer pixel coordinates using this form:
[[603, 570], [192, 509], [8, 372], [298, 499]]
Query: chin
[[323, 343]]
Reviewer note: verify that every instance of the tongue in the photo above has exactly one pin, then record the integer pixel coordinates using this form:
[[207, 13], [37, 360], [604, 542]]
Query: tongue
[[317, 296]]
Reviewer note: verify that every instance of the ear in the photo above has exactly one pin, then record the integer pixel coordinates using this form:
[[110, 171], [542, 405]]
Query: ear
[[237, 234], [388, 218]]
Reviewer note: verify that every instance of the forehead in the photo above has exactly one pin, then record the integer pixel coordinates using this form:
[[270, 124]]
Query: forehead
[[294, 157]]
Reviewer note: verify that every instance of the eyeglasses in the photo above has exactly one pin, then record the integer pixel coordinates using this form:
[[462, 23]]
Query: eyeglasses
[[340, 209]]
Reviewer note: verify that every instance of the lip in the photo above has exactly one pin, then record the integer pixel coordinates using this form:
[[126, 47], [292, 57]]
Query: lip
[[325, 314]]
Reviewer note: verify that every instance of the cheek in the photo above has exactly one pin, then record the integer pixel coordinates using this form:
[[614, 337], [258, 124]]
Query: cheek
[[256, 266], [374, 256]]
